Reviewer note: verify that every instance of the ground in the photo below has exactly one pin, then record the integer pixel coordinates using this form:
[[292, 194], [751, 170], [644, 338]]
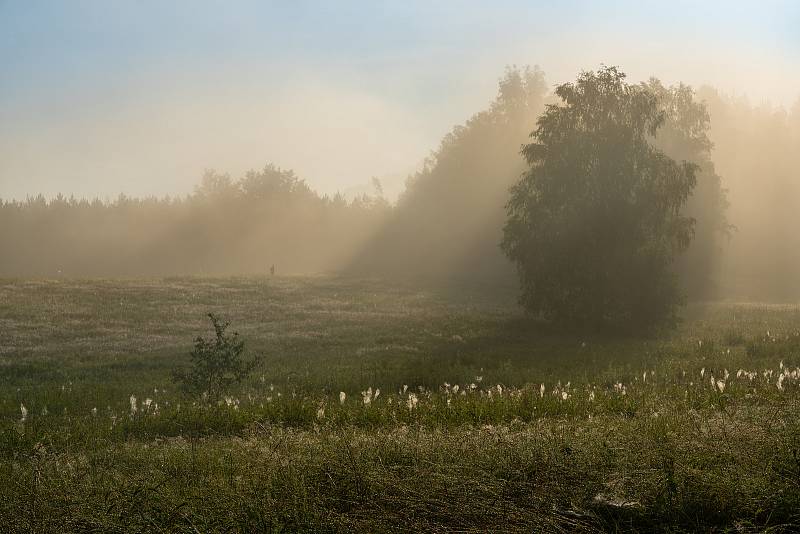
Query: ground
[[485, 419]]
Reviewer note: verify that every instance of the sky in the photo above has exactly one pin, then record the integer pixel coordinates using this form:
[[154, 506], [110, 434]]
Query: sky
[[139, 97]]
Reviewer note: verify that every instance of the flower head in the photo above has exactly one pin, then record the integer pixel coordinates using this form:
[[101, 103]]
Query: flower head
[[366, 396]]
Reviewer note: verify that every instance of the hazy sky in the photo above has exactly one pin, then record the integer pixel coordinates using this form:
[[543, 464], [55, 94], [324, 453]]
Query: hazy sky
[[102, 97]]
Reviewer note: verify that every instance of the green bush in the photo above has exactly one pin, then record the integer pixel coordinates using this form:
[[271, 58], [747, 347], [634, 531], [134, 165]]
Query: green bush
[[217, 364]]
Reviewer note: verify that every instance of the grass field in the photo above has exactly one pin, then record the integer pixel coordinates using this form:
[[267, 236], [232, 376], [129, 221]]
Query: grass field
[[485, 419]]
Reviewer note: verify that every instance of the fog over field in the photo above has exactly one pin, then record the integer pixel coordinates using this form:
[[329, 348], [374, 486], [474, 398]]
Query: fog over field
[[349, 99], [455, 266]]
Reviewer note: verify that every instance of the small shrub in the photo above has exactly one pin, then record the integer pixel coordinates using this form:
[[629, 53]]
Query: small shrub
[[217, 364]]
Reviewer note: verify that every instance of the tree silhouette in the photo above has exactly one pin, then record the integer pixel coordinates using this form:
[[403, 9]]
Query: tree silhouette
[[596, 222]]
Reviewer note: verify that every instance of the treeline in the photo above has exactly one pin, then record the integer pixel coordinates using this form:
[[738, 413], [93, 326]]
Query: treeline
[[746, 202], [757, 152], [448, 223], [268, 217]]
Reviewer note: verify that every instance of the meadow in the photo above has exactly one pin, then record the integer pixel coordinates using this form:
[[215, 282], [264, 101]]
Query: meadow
[[385, 408]]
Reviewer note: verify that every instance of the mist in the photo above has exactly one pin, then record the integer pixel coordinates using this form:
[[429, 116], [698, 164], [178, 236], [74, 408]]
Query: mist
[[338, 95], [450, 266], [444, 223], [756, 151], [404, 156]]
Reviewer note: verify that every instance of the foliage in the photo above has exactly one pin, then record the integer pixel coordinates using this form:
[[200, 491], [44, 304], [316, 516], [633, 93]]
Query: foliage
[[596, 222], [266, 217], [217, 364], [449, 219], [755, 149], [685, 136]]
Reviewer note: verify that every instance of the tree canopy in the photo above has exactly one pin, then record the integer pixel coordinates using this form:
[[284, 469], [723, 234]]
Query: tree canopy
[[450, 218], [685, 136], [595, 224]]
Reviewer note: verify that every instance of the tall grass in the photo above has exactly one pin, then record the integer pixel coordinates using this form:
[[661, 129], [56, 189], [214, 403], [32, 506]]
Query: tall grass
[[484, 420]]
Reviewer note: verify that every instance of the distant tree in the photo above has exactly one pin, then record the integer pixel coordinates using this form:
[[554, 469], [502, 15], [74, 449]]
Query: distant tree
[[684, 136], [756, 150], [215, 186], [377, 186], [595, 224], [274, 182], [448, 221]]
